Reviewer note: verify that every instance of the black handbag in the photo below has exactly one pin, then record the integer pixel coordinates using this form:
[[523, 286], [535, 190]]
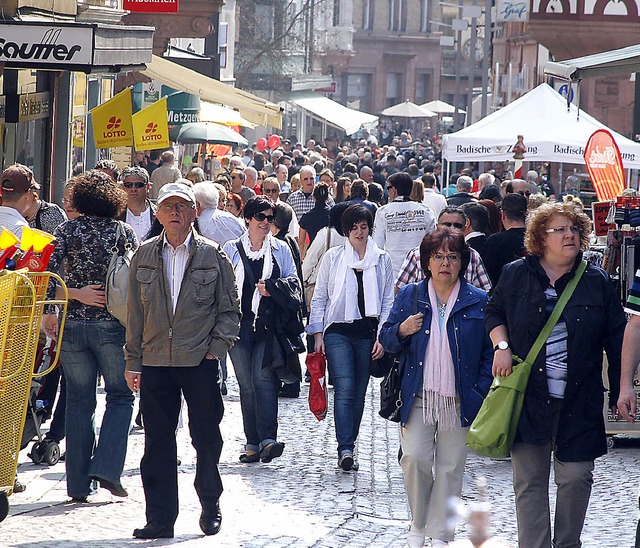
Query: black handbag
[[390, 394], [380, 368]]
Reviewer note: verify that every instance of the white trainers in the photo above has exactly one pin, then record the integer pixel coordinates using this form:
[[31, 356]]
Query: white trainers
[[415, 538]]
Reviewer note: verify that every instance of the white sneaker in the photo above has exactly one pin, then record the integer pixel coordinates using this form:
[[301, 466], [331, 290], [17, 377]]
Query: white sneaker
[[415, 538]]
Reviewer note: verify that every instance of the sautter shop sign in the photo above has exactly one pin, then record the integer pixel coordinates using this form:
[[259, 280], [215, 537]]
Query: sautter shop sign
[[46, 44]]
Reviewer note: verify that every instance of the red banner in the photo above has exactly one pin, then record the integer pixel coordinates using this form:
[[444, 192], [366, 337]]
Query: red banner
[[151, 6], [604, 165]]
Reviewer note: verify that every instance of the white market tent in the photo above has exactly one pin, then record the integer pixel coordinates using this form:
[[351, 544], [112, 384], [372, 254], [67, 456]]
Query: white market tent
[[440, 107], [407, 109], [552, 133], [334, 114]]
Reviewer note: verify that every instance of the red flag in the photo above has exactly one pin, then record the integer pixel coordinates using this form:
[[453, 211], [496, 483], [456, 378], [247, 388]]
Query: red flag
[[604, 165]]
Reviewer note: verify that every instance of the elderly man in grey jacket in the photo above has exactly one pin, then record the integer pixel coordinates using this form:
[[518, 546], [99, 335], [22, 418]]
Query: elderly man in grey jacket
[[183, 314]]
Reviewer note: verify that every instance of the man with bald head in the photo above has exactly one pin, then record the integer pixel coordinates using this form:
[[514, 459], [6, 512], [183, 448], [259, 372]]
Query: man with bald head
[[366, 174]]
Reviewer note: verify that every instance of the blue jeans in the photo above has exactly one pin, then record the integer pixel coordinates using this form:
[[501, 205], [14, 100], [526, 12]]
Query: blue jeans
[[88, 348], [258, 390], [348, 361]]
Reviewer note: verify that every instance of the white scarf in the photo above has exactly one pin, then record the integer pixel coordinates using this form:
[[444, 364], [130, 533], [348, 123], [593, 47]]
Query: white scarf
[[439, 380], [267, 268], [344, 299]]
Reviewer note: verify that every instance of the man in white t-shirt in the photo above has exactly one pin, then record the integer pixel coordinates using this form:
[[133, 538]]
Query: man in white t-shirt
[[432, 198], [401, 224]]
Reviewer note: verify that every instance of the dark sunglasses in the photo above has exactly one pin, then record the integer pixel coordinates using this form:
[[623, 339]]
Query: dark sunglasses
[[137, 185], [459, 226], [261, 217], [524, 193], [270, 190]]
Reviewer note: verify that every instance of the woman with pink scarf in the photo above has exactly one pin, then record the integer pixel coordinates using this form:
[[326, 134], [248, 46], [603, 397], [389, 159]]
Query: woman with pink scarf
[[446, 373]]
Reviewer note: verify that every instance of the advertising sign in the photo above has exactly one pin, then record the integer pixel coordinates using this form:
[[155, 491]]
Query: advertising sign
[[33, 106], [512, 11], [150, 127], [46, 44], [112, 125], [604, 165], [151, 6], [600, 213]]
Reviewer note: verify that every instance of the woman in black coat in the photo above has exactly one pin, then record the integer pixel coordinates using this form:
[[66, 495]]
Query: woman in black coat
[[563, 405]]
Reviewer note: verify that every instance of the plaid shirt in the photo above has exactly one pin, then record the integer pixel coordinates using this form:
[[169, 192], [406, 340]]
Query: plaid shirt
[[301, 203], [411, 271]]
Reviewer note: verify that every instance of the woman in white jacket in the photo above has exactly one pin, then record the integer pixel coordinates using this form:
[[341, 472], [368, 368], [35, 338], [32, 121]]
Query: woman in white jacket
[[351, 301]]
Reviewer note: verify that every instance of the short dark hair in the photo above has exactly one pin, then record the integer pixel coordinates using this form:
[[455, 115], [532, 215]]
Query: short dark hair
[[402, 182], [478, 216], [95, 193], [283, 214], [490, 192], [359, 189], [353, 215], [441, 238], [514, 206], [429, 180], [256, 205], [321, 193], [375, 192]]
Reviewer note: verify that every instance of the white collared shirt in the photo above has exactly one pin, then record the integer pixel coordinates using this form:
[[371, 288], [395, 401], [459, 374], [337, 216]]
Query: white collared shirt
[[474, 234], [141, 224], [175, 263]]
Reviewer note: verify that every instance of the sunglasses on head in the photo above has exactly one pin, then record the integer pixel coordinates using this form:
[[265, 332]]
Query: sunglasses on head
[[138, 184], [459, 226], [261, 217]]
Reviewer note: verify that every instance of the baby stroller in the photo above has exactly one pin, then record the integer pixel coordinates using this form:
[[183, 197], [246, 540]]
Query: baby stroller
[[46, 449]]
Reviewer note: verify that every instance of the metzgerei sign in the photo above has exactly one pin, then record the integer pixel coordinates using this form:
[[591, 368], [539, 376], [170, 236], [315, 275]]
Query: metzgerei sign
[[151, 6]]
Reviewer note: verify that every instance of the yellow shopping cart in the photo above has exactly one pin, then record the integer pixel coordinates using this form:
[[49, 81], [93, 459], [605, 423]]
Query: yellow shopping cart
[[22, 304]]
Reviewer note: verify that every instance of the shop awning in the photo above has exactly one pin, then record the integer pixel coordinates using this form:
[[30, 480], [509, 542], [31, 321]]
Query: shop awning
[[253, 108], [210, 112], [618, 61], [333, 113]]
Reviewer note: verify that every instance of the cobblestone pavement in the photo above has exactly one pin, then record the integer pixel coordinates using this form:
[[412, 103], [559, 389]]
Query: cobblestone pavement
[[301, 499]]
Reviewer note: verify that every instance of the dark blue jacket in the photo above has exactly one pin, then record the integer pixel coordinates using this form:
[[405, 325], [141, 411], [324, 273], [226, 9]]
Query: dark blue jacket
[[471, 348]]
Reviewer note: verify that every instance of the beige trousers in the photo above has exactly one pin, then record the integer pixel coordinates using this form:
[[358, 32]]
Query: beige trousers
[[432, 464]]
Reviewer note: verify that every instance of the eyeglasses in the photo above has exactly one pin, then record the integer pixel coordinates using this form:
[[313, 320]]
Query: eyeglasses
[[271, 190], [459, 226], [235, 176], [452, 257], [261, 217], [563, 229], [180, 207], [525, 193], [138, 184]]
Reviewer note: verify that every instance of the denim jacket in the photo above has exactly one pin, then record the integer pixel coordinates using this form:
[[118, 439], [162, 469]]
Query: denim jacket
[[471, 348]]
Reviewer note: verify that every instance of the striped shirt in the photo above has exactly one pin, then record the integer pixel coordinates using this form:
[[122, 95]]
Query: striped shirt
[[633, 300], [175, 263], [556, 350], [411, 271]]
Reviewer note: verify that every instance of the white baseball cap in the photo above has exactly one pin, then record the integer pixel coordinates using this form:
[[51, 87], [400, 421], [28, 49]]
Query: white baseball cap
[[176, 189]]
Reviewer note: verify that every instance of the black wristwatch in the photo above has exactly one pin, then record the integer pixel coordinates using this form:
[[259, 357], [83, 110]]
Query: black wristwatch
[[502, 345]]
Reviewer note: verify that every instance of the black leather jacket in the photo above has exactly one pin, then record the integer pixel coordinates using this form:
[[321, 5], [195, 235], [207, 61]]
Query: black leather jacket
[[595, 322]]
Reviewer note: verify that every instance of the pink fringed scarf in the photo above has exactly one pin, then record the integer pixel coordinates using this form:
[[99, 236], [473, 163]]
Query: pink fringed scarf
[[439, 382]]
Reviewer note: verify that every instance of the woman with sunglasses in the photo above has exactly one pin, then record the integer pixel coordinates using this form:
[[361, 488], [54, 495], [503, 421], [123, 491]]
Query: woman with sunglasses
[[445, 377], [352, 299], [261, 262]]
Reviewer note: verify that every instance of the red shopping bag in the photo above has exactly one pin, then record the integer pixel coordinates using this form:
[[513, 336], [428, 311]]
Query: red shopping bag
[[317, 367]]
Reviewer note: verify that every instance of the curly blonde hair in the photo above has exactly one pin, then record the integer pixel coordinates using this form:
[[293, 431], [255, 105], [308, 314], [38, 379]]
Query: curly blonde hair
[[538, 223]]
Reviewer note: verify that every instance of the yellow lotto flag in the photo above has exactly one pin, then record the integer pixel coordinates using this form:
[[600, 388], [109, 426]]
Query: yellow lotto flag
[[150, 127], [112, 122]]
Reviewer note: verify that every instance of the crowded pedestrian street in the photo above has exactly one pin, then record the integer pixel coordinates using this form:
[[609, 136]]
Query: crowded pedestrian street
[[301, 499]]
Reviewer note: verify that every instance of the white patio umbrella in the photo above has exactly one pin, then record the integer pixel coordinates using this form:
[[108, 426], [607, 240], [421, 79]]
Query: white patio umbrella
[[407, 110], [440, 107]]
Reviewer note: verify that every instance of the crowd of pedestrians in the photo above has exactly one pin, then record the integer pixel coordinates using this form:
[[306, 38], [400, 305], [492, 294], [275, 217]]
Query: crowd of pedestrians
[[367, 250]]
